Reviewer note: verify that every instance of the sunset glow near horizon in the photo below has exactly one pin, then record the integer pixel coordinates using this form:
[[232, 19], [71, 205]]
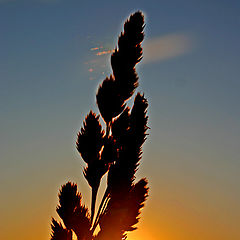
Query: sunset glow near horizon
[[54, 53]]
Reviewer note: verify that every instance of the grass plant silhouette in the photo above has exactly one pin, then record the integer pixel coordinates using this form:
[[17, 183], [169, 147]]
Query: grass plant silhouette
[[115, 152]]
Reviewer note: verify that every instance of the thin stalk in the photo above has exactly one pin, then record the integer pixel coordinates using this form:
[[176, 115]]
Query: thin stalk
[[103, 209], [94, 196], [108, 128], [100, 210]]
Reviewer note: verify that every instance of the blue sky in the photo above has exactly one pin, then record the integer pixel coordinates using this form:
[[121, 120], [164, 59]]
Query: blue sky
[[49, 74]]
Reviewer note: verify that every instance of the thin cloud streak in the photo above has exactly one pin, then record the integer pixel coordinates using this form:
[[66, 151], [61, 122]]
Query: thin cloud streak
[[104, 52], [96, 48], [166, 47]]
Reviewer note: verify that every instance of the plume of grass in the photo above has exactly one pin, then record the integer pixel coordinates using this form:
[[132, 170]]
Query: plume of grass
[[75, 216], [90, 139], [116, 151], [59, 232], [114, 91], [128, 129], [89, 144]]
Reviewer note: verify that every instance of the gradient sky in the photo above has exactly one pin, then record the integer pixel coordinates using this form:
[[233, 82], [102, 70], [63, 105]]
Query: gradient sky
[[49, 73]]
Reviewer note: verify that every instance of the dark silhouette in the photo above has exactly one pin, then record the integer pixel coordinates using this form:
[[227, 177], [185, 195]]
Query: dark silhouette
[[116, 152]]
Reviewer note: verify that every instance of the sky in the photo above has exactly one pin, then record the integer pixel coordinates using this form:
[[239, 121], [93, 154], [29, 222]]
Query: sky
[[53, 55]]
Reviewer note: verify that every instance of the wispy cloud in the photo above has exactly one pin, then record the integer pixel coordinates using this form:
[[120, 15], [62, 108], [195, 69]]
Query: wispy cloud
[[154, 50], [166, 47]]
